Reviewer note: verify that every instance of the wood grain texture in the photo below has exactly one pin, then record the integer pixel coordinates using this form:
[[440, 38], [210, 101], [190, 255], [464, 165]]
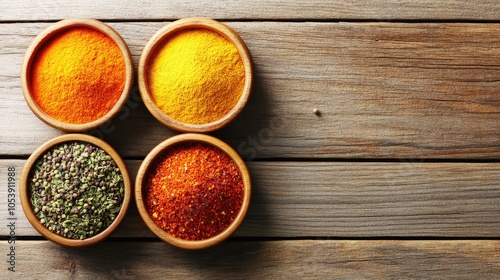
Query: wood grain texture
[[384, 90], [313, 259], [336, 199], [254, 10]]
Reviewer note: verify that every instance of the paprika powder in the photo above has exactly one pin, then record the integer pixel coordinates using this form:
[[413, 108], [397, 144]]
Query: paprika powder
[[78, 75], [193, 191]]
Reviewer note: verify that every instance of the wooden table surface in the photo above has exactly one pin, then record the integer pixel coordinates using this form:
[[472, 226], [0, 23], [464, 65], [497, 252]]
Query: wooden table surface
[[398, 177]]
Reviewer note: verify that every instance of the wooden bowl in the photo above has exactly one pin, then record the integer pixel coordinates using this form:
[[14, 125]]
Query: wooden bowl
[[140, 185], [26, 176], [165, 33], [38, 43]]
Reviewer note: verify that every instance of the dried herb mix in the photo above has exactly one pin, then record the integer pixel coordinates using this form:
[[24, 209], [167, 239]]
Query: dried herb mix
[[76, 190], [193, 191]]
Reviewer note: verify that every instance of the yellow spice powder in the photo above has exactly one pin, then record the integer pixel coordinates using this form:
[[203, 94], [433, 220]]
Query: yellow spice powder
[[196, 76]]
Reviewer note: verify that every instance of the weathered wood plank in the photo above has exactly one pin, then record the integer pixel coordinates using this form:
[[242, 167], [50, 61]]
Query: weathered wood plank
[[257, 9], [313, 259], [384, 91], [387, 90], [337, 199]]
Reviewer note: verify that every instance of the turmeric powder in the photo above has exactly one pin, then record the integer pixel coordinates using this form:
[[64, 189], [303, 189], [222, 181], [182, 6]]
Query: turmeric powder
[[78, 75], [196, 76]]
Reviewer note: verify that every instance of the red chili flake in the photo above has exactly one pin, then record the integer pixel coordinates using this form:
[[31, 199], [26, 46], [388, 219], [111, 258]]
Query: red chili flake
[[194, 191]]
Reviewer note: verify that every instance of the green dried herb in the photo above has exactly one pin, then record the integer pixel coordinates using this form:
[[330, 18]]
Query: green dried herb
[[76, 190]]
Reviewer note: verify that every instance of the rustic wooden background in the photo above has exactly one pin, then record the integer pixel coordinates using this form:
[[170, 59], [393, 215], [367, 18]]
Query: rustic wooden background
[[398, 177]]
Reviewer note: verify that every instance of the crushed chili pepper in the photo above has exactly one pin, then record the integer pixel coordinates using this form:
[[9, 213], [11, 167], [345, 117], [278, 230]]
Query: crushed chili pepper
[[193, 191]]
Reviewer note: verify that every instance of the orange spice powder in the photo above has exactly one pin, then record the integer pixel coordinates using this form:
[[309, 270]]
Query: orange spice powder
[[78, 76]]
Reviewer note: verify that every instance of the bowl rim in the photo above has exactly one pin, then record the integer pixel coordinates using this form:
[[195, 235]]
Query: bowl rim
[[24, 190], [48, 33], [190, 138], [190, 23]]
